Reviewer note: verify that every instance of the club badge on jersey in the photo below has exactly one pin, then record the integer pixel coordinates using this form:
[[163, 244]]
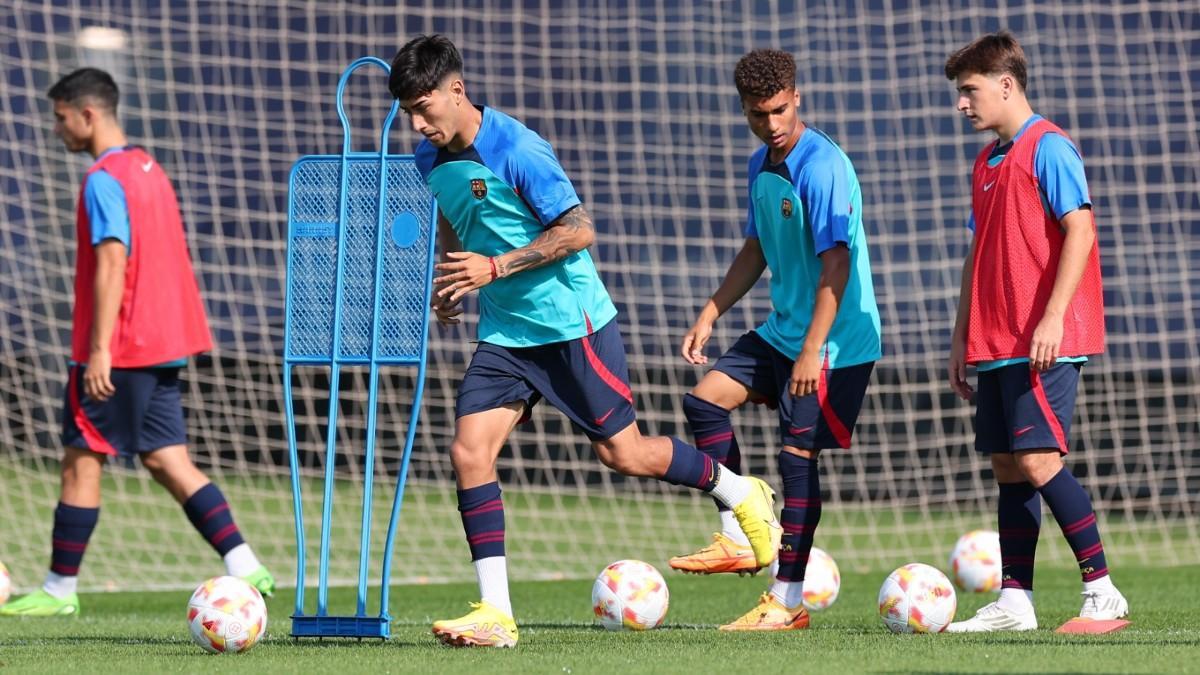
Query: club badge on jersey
[[786, 208], [478, 188]]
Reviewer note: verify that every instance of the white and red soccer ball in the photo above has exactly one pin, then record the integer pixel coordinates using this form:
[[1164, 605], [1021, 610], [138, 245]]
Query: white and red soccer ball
[[975, 562], [630, 595], [226, 615], [917, 598], [5, 584], [822, 580]]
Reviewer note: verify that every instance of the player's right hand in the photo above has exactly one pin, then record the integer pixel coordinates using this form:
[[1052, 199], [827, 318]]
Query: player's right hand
[[692, 348], [958, 370], [447, 310], [97, 380]]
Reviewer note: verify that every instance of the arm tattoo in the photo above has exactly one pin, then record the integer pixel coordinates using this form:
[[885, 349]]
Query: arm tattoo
[[568, 234]]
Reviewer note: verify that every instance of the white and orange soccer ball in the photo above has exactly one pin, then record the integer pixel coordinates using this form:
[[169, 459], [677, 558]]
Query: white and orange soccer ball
[[5, 584], [975, 561], [226, 615], [822, 580], [917, 598], [630, 595]]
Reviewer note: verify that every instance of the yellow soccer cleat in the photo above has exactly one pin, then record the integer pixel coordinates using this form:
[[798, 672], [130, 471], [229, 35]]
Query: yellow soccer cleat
[[723, 556], [485, 626], [770, 614], [756, 515]]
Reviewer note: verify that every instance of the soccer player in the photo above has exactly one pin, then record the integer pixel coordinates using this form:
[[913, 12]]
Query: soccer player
[[138, 316], [512, 227], [1030, 311], [812, 358]]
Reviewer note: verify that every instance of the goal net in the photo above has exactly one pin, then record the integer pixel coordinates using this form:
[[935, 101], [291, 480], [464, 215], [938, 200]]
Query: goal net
[[638, 100]]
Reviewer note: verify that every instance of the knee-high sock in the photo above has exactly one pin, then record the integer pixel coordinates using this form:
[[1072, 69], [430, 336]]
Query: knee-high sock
[[482, 512], [1072, 508], [801, 514], [73, 526], [1019, 520], [210, 514], [713, 433]]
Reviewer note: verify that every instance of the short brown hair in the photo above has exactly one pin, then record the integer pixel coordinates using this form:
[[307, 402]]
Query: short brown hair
[[765, 72], [992, 54]]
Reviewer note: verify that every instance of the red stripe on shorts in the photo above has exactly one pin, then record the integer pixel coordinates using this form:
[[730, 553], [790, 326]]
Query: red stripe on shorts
[[91, 435], [840, 433], [1039, 394]]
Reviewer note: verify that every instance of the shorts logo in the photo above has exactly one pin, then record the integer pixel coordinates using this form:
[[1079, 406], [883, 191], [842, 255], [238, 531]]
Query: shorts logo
[[799, 432], [604, 418], [1017, 433], [786, 208], [478, 188]]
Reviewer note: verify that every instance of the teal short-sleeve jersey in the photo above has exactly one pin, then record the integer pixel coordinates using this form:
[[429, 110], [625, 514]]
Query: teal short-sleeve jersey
[[800, 208], [499, 194]]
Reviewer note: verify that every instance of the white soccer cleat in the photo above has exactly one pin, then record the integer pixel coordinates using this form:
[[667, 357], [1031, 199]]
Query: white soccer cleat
[[1104, 605], [992, 618]]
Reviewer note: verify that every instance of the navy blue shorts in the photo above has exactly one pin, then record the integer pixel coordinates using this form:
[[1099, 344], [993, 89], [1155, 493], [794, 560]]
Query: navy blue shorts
[[815, 422], [144, 414], [1018, 408], [586, 379]]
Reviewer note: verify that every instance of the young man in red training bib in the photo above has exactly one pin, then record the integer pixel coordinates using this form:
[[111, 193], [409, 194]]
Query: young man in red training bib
[[138, 316], [1030, 313]]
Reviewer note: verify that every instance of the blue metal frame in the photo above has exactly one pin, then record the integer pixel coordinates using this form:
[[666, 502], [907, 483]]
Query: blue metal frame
[[360, 625]]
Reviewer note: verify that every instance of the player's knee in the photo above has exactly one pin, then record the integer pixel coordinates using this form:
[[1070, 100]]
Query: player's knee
[[1039, 466], [467, 457], [619, 458]]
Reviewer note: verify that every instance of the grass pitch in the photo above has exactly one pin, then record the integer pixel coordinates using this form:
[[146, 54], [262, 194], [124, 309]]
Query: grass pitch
[[146, 632]]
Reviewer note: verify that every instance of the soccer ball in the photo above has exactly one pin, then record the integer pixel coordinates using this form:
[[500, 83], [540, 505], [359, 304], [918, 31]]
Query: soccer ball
[[975, 562], [5, 584], [630, 594], [822, 581], [226, 615], [917, 598]]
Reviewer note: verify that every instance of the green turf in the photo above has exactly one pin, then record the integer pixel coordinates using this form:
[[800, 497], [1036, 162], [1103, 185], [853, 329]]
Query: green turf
[[146, 632], [144, 541]]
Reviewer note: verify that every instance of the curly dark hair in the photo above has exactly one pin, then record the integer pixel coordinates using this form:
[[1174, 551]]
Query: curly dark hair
[[992, 54], [765, 72]]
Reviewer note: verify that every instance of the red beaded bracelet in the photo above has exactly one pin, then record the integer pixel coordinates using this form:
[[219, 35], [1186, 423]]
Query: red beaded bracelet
[[492, 262]]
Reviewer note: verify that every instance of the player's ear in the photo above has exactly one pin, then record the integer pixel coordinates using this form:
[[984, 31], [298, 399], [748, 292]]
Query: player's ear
[[458, 90], [1007, 84], [89, 114]]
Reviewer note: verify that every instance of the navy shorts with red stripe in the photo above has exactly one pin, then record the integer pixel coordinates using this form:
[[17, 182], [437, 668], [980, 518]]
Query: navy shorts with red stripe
[[1017, 408], [144, 414], [587, 379], [817, 421]]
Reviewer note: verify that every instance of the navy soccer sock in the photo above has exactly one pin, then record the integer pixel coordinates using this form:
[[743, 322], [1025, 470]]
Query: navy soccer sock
[[1072, 508], [1019, 519], [801, 514], [73, 526], [713, 433], [210, 514]]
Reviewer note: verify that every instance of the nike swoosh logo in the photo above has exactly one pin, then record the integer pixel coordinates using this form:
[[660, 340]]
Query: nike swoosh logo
[[988, 186], [146, 167], [1017, 433], [796, 432], [600, 420]]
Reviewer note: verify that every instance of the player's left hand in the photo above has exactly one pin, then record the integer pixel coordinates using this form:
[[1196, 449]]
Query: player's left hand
[[463, 273], [97, 380], [806, 374], [1047, 338]]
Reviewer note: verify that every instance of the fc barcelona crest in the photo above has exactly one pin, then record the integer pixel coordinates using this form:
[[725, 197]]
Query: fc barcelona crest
[[478, 188], [786, 209]]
